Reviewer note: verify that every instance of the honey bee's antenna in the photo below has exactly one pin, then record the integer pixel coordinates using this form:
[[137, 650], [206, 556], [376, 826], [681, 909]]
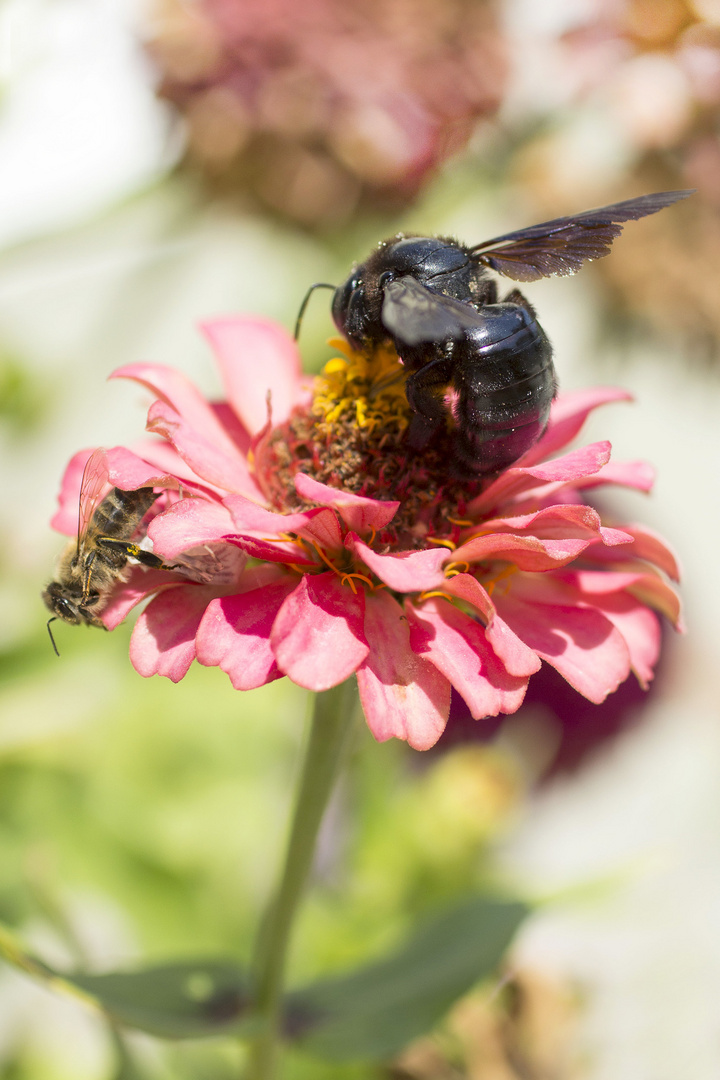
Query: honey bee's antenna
[[51, 634], [308, 294]]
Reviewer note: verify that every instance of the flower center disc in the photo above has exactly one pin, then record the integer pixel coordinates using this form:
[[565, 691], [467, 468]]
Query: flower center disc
[[353, 436]]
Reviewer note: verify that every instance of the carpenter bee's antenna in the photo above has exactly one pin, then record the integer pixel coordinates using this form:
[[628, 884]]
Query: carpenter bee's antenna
[[308, 294], [52, 639]]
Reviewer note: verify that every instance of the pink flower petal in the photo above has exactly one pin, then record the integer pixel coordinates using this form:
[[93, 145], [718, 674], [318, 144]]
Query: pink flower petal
[[318, 637], [234, 634], [647, 546], [272, 551], [650, 546], [256, 356], [403, 695], [526, 552], [186, 524], [567, 416], [466, 587], [652, 590], [163, 640], [404, 571], [176, 390], [219, 462], [564, 521], [359, 514], [574, 465], [165, 458], [139, 584], [581, 643], [639, 475], [640, 627], [456, 645], [322, 527], [249, 517], [610, 593], [598, 582], [128, 471], [319, 524], [234, 427], [515, 655]]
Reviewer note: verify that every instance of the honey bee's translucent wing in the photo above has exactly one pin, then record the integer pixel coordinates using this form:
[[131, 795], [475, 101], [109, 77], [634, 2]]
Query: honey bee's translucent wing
[[94, 486], [413, 313], [561, 246]]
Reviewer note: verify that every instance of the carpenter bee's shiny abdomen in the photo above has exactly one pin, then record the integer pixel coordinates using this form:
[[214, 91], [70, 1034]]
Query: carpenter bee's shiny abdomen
[[505, 384]]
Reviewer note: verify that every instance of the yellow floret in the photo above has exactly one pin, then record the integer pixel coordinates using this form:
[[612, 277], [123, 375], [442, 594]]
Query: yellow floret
[[364, 388]]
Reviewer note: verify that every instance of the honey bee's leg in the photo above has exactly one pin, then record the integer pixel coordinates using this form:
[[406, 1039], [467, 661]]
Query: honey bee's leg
[[86, 576], [132, 551]]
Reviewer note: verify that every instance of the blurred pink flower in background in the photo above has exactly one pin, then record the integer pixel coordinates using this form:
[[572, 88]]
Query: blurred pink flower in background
[[630, 101], [312, 106], [472, 588]]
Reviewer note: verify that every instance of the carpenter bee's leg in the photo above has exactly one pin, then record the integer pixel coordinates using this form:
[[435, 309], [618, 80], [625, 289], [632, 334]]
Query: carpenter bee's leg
[[485, 291], [516, 297], [425, 391]]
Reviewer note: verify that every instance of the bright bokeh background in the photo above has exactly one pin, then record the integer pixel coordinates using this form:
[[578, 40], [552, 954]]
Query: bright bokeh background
[[144, 820]]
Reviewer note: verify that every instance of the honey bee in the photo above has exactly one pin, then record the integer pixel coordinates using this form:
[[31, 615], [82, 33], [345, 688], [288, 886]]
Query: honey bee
[[91, 565]]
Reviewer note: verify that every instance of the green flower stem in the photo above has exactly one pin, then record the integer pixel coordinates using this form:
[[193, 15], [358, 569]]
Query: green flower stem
[[331, 721]]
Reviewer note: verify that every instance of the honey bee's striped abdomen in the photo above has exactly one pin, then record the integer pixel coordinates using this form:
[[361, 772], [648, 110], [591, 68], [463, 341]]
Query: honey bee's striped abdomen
[[120, 512]]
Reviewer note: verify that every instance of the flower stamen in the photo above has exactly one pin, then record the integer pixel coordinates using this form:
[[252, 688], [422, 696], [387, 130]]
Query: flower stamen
[[452, 571], [435, 592], [503, 575], [347, 579], [450, 544], [324, 557]]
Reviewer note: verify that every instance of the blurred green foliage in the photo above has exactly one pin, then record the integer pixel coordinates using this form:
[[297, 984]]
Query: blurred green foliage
[[144, 820], [23, 402]]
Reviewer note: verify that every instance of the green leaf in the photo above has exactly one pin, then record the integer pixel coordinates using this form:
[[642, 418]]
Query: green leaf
[[179, 1000], [376, 1011], [368, 1014]]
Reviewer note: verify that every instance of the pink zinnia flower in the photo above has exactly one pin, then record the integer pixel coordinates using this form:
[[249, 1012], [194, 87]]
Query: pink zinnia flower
[[329, 552]]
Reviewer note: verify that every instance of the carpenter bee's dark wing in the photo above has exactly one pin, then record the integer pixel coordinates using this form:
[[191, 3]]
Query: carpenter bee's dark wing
[[561, 246], [413, 313]]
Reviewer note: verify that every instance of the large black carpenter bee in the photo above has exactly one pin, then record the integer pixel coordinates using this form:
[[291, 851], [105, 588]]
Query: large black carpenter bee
[[432, 298]]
